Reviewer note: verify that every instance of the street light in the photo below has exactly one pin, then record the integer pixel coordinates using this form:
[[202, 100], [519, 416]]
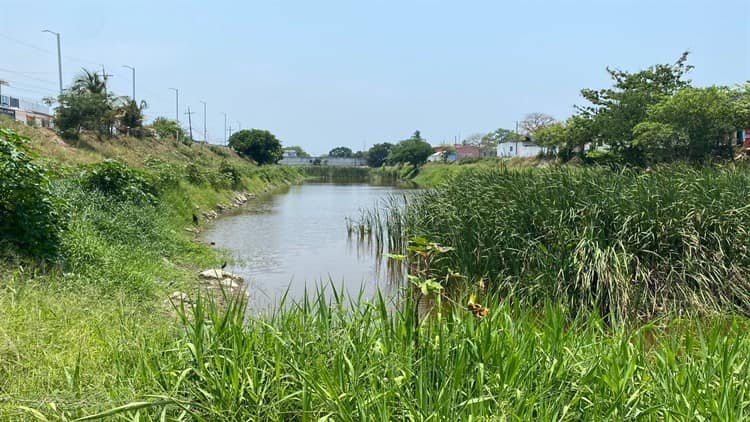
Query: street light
[[133, 69], [205, 134], [225, 127], [59, 57], [177, 104]]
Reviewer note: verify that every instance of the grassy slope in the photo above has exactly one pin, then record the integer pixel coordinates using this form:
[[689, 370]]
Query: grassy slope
[[70, 331]]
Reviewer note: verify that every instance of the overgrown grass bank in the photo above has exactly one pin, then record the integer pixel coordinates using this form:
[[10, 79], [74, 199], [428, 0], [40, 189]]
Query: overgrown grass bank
[[76, 325]]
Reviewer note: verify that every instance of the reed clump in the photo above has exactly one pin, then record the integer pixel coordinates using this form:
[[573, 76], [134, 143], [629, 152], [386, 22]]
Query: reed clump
[[628, 243]]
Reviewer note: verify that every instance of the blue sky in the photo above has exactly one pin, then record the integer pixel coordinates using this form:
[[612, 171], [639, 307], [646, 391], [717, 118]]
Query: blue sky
[[327, 73]]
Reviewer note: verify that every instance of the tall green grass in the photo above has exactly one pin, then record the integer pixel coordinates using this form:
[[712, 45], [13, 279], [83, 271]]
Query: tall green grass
[[630, 244], [351, 360]]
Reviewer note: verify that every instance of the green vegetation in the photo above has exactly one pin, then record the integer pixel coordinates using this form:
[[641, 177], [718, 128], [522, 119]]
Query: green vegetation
[[86, 106], [628, 244], [341, 152], [337, 174], [260, 146], [329, 360], [652, 116], [31, 216], [75, 324], [414, 151]]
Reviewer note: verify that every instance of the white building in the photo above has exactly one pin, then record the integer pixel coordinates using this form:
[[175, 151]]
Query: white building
[[27, 112], [519, 149]]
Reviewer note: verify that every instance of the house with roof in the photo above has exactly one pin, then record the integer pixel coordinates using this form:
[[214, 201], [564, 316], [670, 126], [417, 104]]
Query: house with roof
[[520, 148]]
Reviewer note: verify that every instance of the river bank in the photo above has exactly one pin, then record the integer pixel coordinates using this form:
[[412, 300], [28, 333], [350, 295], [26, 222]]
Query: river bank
[[73, 329], [88, 334]]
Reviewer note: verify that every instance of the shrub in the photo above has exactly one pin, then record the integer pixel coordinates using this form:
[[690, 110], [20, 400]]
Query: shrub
[[119, 180], [230, 173], [31, 217]]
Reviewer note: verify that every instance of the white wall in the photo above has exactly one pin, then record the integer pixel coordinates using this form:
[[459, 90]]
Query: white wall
[[518, 149]]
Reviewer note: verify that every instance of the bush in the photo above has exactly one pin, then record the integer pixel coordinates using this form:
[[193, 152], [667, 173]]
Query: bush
[[166, 175], [119, 180], [230, 173], [31, 217]]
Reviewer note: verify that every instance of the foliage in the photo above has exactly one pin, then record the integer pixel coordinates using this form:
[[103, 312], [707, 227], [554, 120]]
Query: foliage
[[413, 151], [377, 155], [230, 173], [78, 112], [258, 145], [130, 118], [628, 244], [31, 217], [166, 128], [120, 181], [343, 358], [301, 153], [616, 111], [340, 152], [694, 123]]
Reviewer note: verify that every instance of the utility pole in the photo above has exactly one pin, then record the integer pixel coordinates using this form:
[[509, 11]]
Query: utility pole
[[176, 104], [190, 122], [59, 57], [225, 127], [105, 76], [239, 125], [133, 69], [205, 134], [517, 136]]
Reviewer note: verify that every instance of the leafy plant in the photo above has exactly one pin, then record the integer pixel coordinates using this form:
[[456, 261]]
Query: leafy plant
[[32, 218], [120, 181]]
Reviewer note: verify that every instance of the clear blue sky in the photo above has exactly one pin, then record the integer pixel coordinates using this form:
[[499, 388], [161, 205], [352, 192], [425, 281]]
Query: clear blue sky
[[323, 73]]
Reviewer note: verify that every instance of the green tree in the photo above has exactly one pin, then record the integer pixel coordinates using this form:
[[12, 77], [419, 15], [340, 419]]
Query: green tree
[[614, 112], [166, 128], [692, 124], [300, 152], [130, 117], [377, 155], [258, 145], [78, 112], [413, 151], [340, 152]]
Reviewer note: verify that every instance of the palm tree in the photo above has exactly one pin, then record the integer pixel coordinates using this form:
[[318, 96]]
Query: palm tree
[[89, 83]]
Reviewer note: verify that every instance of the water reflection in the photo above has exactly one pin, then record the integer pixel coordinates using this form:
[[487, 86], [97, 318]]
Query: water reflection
[[286, 243]]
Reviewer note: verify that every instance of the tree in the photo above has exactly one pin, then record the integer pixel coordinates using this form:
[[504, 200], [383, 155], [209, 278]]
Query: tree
[[692, 124], [413, 151], [256, 144], [300, 152], [166, 128], [340, 152], [77, 112], [535, 121], [475, 139], [130, 117], [88, 83], [616, 111], [378, 154]]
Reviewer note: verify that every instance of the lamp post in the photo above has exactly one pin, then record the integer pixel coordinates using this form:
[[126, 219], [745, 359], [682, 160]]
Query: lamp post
[[133, 69], [176, 104], [59, 57]]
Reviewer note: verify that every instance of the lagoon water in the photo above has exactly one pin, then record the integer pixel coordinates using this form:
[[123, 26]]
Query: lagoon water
[[298, 239]]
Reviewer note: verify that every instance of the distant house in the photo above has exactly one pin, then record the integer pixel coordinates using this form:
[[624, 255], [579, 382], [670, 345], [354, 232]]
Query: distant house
[[466, 151], [524, 148], [451, 153], [27, 112]]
